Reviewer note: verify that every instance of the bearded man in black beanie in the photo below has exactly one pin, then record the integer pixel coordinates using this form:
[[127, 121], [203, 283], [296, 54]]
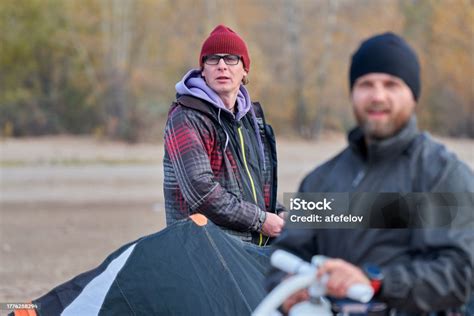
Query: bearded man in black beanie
[[412, 271]]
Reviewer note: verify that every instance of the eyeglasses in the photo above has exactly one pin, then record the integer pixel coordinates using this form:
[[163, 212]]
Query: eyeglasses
[[215, 59]]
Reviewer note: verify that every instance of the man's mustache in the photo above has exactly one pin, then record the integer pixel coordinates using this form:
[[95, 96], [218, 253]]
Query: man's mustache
[[378, 107]]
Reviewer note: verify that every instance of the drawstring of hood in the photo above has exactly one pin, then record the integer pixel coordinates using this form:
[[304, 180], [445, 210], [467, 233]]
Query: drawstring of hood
[[193, 84], [226, 135]]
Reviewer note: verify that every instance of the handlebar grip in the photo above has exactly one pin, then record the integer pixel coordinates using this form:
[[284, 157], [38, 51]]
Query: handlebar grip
[[360, 292], [290, 263]]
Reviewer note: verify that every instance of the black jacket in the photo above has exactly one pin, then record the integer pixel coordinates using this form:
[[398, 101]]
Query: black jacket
[[424, 269]]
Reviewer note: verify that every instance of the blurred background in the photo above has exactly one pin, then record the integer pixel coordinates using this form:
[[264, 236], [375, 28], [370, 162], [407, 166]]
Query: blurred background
[[108, 68], [85, 86]]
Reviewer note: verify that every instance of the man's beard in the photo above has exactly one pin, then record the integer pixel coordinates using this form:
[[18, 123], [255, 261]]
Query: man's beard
[[378, 130]]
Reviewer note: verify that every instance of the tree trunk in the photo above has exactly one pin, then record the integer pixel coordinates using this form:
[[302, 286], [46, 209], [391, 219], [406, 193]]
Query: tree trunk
[[322, 70]]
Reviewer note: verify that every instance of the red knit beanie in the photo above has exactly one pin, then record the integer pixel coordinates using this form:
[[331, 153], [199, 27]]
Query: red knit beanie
[[223, 40]]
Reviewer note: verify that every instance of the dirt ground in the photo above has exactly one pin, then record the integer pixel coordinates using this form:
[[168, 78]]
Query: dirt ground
[[67, 202]]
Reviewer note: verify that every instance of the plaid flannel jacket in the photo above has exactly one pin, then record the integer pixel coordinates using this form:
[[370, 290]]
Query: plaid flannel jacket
[[206, 172]]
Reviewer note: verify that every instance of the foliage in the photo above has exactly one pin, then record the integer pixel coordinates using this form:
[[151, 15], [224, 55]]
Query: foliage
[[108, 67]]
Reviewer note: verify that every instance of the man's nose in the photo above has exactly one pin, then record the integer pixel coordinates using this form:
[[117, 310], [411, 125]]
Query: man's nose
[[221, 64], [378, 93]]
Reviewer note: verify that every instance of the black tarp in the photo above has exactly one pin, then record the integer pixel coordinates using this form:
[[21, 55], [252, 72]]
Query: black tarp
[[184, 269]]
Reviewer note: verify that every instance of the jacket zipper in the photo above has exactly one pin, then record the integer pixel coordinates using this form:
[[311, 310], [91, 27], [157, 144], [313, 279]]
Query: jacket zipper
[[239, 129], [358, 178]]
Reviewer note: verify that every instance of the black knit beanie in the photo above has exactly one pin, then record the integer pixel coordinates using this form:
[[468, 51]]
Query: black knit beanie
[[387, 53]]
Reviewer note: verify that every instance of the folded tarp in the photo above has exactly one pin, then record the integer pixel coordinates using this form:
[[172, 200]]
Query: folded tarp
[[189, 268]]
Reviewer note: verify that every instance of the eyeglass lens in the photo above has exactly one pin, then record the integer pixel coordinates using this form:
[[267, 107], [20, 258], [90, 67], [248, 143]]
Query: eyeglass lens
[[228, 59]]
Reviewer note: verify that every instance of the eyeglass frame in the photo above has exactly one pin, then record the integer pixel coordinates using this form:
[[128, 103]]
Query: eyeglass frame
[[206, 58]]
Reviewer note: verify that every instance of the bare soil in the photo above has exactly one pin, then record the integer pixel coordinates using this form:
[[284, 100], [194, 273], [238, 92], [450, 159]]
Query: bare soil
[[67, 202]]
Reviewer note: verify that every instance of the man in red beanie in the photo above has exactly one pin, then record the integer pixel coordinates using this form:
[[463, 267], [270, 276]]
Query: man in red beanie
[[220, 157]]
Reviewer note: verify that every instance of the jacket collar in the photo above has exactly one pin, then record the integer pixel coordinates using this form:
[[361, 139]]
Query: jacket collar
[[386, 148], [196, 104]]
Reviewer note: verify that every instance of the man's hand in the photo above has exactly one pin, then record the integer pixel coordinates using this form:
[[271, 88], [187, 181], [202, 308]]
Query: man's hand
[[342, 275], [272, 225]]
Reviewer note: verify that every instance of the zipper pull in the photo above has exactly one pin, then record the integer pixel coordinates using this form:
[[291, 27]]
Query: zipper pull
[[358, 179]]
